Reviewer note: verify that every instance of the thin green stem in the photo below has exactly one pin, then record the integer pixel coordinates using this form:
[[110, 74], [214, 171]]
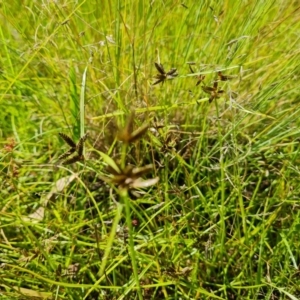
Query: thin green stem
[[126, 200]]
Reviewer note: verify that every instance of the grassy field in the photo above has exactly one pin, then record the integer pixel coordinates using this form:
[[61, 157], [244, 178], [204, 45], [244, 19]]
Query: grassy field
[[149, 149]]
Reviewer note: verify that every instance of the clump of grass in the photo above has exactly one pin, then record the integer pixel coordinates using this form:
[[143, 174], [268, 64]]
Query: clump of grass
[[221, 136]]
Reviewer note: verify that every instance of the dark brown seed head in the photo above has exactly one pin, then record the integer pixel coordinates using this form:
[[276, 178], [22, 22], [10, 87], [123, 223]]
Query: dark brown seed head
[[68, 140], [160, 68]]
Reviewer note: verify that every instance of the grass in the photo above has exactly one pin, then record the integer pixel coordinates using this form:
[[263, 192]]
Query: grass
[[216, 216]]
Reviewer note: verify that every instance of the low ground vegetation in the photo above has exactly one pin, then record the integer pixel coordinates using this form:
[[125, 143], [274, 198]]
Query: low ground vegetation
[[149, 150]]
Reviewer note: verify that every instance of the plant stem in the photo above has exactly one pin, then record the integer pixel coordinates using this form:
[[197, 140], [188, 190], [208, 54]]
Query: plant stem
[[126, 201]]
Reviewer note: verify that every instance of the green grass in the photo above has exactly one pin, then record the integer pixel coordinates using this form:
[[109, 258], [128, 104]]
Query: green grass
[[222, 222]]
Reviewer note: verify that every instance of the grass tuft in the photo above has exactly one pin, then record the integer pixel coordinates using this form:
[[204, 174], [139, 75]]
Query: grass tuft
[[187, 185]]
